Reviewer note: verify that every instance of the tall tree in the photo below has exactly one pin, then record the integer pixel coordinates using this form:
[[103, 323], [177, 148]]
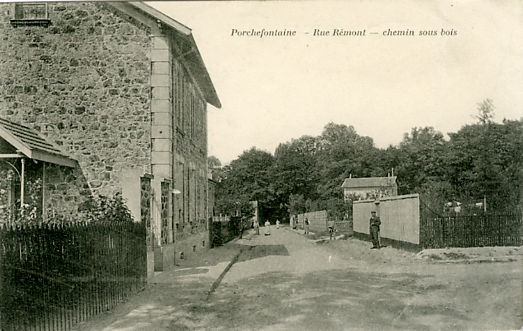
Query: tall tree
[[214, 166], [295, 170], [485, 111], [343, 153], [420, 159], [248, 179], [485, 161]]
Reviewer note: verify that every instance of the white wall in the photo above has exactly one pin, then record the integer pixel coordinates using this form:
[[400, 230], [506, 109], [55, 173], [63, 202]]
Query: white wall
[[399, 217]]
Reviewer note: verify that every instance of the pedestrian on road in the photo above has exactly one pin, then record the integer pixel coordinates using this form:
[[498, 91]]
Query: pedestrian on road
[[277, 224], [306, 226], [267, 228], [330, 225], [374, 229], [257, 227]]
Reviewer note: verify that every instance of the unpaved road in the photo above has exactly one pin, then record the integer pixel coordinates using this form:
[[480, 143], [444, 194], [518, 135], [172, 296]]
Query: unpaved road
[[286, 282]]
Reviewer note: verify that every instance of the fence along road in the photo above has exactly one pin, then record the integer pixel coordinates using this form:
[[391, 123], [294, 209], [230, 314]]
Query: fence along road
[[53, 276]]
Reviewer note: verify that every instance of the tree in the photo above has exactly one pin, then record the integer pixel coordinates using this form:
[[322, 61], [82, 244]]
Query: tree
[[342, 153], [295, 171], [485, 111], [485, 161], [297, 204], [214, 166], [213, 162], [235, 206], [420, 159], [247, 179]]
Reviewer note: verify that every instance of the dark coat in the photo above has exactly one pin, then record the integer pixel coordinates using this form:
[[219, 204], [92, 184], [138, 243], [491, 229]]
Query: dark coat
[[375, 223]]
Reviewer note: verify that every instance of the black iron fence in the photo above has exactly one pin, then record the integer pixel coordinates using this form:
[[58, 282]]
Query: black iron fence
[[224, 229], [53, 276], [471, 230]]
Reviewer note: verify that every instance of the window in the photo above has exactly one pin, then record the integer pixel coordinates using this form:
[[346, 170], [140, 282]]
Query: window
[[30, 14]]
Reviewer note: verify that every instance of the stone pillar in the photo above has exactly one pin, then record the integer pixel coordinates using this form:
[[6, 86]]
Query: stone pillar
[[161, 135]]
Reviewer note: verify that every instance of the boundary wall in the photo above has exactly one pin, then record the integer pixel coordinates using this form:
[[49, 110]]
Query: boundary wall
[[400, 220], [317, 219]]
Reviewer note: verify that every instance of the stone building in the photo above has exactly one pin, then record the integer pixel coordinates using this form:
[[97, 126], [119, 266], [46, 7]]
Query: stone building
[[121, 89]]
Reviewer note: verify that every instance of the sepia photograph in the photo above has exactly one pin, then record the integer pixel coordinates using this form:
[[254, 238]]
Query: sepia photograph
[[261, 165]]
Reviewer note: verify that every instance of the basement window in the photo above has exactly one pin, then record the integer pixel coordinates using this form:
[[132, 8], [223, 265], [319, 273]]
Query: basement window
[[30, 14]]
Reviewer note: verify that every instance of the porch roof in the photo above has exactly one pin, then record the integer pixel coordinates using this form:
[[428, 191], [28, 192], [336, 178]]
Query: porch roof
[[32, 144]]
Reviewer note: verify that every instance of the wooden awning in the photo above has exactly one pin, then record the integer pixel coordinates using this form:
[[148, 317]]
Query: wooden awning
[[27, 142]]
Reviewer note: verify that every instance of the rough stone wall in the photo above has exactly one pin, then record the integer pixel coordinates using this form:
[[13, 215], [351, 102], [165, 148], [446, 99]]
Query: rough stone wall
[[83, 82], [65, 188]]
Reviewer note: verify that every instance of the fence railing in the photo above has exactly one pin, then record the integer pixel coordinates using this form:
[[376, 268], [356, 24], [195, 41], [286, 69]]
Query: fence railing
[[471, 231], [224, 230], [53, 276]]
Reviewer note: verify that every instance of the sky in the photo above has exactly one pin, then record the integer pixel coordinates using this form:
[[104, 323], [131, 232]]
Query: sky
[[277, 88]]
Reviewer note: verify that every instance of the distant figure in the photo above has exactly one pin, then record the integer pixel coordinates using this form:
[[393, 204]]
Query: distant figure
[[277, 224], [257, 227], [374, 229], [306, 226], [330, 225], [293, 222], [267, 228]]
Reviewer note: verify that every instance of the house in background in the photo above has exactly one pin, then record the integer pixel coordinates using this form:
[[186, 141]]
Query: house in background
[[121, 89], [370, 187]]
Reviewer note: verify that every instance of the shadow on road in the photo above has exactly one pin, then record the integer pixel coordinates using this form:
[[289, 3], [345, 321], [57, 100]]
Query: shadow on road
[[263, 250]]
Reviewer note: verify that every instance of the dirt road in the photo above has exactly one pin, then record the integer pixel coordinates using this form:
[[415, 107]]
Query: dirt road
[[286, 282]]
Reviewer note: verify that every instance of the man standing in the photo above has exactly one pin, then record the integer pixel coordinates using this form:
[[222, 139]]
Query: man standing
[[331, 226], [306, 226], [374, 230]]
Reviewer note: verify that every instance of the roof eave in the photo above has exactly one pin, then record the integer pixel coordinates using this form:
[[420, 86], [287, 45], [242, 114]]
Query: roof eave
[[203, 78], [35, 154], [53, 158]]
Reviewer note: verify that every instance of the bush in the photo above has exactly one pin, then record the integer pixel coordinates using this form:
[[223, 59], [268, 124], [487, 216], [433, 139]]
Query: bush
[[102, 208]]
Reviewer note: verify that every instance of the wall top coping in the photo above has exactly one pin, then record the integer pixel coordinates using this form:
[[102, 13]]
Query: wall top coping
[[397, 197]]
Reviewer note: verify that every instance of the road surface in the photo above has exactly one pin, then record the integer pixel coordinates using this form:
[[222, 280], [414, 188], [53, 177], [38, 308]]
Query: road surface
[[288, 282]]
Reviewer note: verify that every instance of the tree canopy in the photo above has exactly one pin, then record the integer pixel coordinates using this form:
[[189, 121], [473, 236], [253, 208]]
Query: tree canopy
[[481, 161]]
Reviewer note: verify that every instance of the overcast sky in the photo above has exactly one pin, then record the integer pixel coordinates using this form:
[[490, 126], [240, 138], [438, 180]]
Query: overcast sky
[[274, 89]]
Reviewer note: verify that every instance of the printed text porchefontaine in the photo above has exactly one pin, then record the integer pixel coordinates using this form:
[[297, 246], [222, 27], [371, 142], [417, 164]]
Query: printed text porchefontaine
[[263, 33]]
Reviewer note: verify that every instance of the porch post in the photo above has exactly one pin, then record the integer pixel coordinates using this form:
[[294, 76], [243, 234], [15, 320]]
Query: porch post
[[22, 182], [44, 214]]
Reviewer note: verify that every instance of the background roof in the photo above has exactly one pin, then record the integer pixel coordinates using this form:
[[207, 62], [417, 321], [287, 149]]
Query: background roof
[[369, 182]]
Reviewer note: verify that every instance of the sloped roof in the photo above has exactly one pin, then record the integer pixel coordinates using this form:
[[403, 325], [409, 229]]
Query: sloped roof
[[33, 145], [368, 182], [193, 58]]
